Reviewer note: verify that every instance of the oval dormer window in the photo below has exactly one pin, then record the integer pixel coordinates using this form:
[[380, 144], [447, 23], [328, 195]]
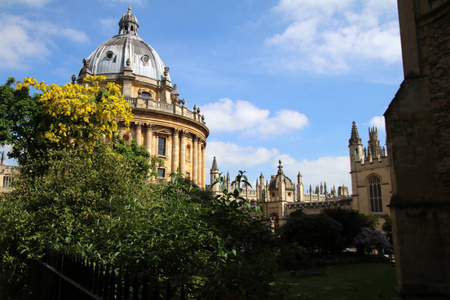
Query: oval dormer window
[[145, 58], [109, 55]]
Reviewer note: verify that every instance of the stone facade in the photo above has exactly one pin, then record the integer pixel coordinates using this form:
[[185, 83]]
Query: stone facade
[[418, 141], [279, 197], [161, 121], [370, 172], [7, 174]]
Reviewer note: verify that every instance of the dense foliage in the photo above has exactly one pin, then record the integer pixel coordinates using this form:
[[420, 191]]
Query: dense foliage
[[83, 191], [317, 233], [58, 117], [352, 222], [96, 206], [370, 239]]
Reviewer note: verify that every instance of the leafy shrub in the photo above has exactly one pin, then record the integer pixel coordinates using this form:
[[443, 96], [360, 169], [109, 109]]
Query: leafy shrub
[[96, 207], [293, 257], [317, 233], [370, 239], [352, 222]]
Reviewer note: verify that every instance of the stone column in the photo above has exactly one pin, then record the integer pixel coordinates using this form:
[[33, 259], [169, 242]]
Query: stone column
[[195, 161], [204, 165], [148, 138], [200, 163], [138, 133], [183, 152], [175, 150]]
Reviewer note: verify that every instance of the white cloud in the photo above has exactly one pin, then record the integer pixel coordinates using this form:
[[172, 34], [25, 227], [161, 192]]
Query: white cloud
[[32, 3], [332, 36], [233, 156], [24, 42], [378, 122], [229, 116], [334, 170]]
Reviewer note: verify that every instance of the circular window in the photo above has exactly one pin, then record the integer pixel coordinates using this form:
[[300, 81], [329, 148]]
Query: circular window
[[145, 58], [109, 55]]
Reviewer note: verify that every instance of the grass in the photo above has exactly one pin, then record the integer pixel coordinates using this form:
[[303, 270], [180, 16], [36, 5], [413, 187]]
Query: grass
[[343, 282]]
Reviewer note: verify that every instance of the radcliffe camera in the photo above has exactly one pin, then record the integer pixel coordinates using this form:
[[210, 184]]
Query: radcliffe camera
[[224, 150]]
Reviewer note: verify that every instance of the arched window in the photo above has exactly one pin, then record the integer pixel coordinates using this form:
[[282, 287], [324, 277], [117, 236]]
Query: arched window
[[374, 185]]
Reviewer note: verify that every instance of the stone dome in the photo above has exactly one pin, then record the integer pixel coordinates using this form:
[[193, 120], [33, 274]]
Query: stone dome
[[127, 50]]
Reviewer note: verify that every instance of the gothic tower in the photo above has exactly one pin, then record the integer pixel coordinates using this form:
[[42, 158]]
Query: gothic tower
[[370, 173]]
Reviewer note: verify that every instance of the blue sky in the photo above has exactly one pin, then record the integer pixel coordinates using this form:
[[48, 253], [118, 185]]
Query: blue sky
[[275, 79]]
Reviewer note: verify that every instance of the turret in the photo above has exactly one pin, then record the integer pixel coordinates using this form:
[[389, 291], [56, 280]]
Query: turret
[[355, 145], [300, 188], [214, 175], [374, 144]]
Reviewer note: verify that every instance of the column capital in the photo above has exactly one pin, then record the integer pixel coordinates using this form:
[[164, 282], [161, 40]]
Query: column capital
[[184, 133]]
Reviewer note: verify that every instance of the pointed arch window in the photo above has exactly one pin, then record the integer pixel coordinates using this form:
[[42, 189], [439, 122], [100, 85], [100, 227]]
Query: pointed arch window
[[374, 185]]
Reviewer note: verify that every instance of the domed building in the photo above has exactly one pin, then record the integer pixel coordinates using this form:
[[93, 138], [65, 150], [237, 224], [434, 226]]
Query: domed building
[[162, 122]]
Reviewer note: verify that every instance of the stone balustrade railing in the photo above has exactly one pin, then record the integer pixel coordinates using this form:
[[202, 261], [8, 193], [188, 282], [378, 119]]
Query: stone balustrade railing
[[166, 107]]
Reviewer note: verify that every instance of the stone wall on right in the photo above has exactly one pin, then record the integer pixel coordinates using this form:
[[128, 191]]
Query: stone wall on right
[[418, 142]]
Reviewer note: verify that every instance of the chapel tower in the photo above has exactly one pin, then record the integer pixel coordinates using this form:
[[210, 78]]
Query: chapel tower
[[370, 172]]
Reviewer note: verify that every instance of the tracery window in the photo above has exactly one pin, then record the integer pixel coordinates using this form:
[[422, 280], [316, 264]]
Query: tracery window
[[7, 181], [161, 146], [376, 204]]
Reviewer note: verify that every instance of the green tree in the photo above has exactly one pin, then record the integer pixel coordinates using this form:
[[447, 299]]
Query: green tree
[[351, 221], [72, 115], [22, 122], [317, 233], [94, 205]]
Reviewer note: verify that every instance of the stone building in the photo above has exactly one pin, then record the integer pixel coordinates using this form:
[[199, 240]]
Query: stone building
[[370, 172], [6, 175], [418, 143], [279, 197], [162, 122]]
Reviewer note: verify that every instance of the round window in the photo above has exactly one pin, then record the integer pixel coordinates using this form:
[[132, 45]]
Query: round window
[[109, 55], [145, 58]]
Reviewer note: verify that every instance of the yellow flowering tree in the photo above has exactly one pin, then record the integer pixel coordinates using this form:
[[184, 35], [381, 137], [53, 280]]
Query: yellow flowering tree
[[78, 114]]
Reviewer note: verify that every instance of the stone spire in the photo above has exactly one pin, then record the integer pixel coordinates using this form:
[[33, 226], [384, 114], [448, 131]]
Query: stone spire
[[354, 138], [214, 176], [214, 165], [280, 168]]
